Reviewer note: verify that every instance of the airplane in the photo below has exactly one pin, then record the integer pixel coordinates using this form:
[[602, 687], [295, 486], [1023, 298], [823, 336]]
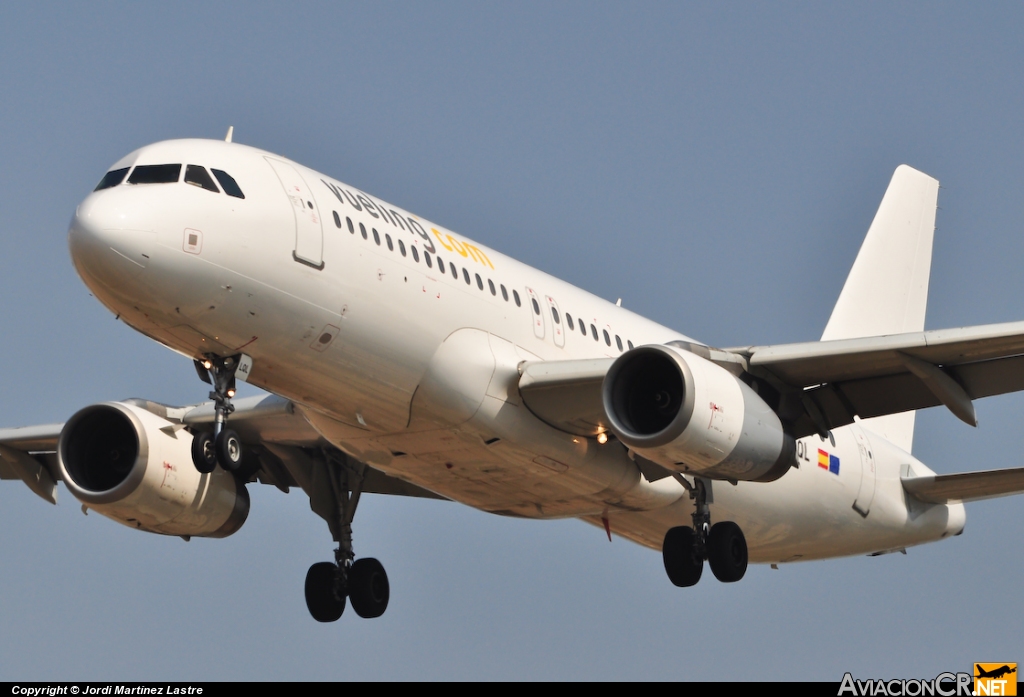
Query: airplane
[[403, 358], [995, 672]]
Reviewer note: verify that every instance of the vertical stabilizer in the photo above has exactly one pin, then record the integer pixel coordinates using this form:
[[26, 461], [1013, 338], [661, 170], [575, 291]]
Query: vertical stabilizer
[[887, 289]]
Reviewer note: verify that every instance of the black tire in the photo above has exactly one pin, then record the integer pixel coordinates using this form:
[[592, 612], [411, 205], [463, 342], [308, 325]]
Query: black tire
[[368, 588], [727, 552], [229, 450], [321, 599], [679, 552], [204, 455]]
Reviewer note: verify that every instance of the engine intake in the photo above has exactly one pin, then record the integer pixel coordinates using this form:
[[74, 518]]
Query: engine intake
[[136, 468], [689, 414]]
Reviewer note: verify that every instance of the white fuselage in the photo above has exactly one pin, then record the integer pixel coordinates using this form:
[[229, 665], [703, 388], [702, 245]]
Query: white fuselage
[[414, 371]]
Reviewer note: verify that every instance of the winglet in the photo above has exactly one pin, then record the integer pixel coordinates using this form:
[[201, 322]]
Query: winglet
[[231, 132]]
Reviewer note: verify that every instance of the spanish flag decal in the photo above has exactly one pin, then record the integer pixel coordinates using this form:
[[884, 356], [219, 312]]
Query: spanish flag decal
[[828, 462]]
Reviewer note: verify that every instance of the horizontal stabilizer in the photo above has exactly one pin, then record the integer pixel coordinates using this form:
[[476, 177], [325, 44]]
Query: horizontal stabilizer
[[965, 486]]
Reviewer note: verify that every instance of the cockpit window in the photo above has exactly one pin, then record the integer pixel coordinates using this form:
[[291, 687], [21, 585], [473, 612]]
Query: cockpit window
[[228, 183], [112, 178], [198, 176], [155, 174]]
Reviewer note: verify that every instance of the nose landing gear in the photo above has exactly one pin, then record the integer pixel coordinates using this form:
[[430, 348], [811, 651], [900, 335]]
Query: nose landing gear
[[685, 549], [223, 446]]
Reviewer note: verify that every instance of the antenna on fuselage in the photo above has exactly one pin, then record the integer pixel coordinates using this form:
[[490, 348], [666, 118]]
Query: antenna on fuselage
[[231, 132]]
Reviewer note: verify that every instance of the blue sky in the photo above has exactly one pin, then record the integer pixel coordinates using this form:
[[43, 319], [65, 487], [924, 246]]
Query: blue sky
[[714, 165]]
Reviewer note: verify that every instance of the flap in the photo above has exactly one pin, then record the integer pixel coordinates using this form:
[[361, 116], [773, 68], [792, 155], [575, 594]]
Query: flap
[[965, 486], [566, 394], [35, 475]]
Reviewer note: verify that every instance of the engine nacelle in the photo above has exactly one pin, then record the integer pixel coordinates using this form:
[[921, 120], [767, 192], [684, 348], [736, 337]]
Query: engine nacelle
[[689, 414], [136, 468]]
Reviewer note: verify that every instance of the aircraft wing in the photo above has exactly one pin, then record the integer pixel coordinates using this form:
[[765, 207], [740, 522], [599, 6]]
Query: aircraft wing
[[823, 384], [566, 394], [874, 376], [283, 448]]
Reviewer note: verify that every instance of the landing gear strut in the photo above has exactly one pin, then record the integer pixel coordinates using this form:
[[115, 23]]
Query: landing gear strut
[[223, 445], [363, 582], [685, 548]]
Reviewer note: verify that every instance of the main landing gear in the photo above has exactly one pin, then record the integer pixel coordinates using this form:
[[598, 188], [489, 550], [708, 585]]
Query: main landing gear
[[363, 582], [722, 544], [223, 446]]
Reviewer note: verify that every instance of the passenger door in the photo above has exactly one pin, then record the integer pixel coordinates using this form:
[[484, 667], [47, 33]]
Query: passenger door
[[309, 232]]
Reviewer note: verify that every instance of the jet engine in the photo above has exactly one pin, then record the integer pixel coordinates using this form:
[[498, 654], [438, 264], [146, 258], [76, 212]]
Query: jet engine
[[136, 468], [691, 415]]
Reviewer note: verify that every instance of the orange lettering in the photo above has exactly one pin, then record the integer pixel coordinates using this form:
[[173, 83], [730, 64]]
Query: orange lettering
[[438, 234]]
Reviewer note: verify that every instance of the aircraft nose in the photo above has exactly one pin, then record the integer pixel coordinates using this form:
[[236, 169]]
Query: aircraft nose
[[110, 240]]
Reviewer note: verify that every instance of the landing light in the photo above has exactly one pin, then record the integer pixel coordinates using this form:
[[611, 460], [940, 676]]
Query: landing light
[[602, 438], [207, 364], [231, 393]]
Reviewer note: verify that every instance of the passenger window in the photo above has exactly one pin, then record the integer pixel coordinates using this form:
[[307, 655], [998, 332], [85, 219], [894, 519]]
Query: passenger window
[[198, 176], [568, 320], [515, 294], [504, 293], [362, 230], [465, 275], [391, 245], [401, 247], [479, 282], [155, 174], [583, 328], [337, 220], [618, 342], [607, 339], [228, 183], [593, 330], [536, 307], [350, 228], [415, 253], [440, 264], [426, 257], [554, 315], [376, 236], [629, 344], [112, 178], [490, 284], [455, 271]]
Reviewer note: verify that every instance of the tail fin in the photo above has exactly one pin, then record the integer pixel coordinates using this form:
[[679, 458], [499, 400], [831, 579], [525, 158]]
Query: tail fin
[[887, 289]]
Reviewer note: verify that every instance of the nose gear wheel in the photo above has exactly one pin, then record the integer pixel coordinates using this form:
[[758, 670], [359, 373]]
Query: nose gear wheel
[[223, 446]]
